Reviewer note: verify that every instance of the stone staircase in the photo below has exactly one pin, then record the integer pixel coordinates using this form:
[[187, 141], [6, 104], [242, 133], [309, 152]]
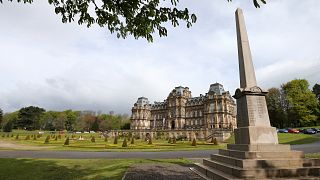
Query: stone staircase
[[258, 162]]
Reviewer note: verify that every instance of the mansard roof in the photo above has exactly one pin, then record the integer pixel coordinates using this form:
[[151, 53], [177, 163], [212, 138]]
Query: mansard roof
[[216, 88], [142, 101]]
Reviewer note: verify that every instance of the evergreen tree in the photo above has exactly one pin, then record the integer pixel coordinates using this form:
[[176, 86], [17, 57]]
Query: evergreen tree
[[46, 141], [124, 144], [95, 125], [115, 140], [194, 142], [93, 139], [215, 142], [174, 141], [27, 137], [66, 142]]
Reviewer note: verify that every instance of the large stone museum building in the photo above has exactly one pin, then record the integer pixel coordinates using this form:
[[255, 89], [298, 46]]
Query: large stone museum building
[[180, 111]]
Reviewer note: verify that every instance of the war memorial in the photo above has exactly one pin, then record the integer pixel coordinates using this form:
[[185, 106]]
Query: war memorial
[[256, 153]]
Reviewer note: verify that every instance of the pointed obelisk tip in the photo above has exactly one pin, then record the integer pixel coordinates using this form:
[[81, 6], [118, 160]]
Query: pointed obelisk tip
[[238, 10]]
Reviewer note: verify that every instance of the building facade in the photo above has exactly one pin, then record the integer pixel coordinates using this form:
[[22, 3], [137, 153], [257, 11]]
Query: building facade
[[180, 111]]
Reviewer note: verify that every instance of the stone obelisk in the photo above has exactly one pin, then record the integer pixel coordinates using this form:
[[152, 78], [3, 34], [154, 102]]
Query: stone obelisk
[[252, 114], [256, 153]]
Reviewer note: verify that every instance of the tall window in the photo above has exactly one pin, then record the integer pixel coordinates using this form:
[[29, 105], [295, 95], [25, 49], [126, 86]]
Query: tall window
[[211, 107]]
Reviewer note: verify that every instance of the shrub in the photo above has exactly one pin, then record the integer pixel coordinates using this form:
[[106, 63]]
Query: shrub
[[194, 142], [115, 140], [181, 138], [105, 139], [215, 142], [59, 136], [17, 137], [56, 138], [93, 139], [124, 144], [132, 140], [11, 135], [174, 140], [66, 142], [8, 135], [27, 137], [34, 137], [3, 135], [170, 140], [150, 141], [39, 136], [47, 140]]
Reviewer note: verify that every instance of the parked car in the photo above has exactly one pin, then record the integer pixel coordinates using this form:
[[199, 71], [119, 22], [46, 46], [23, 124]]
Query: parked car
[[316, 129], [293, 130], [282, 131], [309, 131]]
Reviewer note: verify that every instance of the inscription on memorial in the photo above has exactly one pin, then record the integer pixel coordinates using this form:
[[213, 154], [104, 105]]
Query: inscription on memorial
[[257, 111]]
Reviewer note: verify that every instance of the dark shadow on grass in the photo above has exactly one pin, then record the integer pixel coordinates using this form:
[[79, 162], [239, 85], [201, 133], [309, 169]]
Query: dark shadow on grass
[[306, 140], [35, 169]]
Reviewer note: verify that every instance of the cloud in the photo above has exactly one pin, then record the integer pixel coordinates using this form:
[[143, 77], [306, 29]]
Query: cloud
[[66, 66]]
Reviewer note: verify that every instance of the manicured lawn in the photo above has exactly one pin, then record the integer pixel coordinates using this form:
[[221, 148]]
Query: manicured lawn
[[313, 155], [39, 169], [101, 145], [139, 144], [288, 138]]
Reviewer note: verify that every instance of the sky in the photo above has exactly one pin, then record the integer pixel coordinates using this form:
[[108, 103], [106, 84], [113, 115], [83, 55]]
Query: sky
[[60, 66]]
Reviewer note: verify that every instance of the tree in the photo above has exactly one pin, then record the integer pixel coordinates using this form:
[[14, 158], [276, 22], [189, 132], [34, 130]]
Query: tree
[[95, 125], [71, 119], [303, 104], [277, 107], [139, 18], [194, 142], [7, 127], [316, 91], [124, 143], [1, 116], [66, 142], [29, 117]]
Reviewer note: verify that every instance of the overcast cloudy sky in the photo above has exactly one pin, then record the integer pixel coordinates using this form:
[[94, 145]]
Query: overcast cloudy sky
[[66, 66]]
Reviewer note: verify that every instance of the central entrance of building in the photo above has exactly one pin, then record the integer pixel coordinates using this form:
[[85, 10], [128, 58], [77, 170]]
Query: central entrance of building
[[173, 124]]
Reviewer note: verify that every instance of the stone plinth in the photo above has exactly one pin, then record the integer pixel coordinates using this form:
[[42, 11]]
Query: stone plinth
[[267, 161]]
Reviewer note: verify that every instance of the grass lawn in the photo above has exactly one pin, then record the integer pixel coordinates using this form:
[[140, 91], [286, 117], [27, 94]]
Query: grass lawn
[[100, 144], [288, 138], [139, 144], [16, 169]]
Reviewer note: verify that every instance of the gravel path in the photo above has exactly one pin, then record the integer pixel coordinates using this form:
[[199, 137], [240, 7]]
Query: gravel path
[[160, 171], [307, 148]]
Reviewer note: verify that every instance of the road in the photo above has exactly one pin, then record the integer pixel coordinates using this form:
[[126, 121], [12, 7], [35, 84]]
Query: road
[[307, 148]]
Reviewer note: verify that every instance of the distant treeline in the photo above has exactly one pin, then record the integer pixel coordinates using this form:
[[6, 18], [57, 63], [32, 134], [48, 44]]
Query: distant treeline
[[294, 104], [36, 118]]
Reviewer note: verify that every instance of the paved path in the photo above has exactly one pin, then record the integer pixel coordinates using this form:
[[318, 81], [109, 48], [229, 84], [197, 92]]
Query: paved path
[[307, 148]]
